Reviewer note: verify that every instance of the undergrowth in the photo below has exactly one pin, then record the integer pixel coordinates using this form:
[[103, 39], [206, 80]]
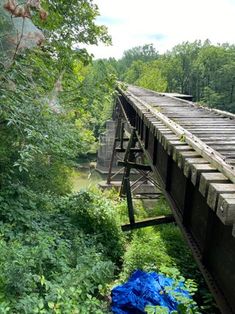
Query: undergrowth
[[64, 254], [163, 249], [57, 254]]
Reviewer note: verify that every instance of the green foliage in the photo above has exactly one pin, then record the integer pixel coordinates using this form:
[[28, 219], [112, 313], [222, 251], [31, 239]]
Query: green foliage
[[52, 259], [134, 72], [186, 305], [73, 22], [94, 214], [140, 254], [142, 53], [163, 249], [49, 104], [152, 77], [202, 70], [98, 90]]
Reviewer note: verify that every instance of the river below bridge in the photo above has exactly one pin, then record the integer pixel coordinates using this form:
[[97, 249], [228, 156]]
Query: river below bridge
[[85, 176]]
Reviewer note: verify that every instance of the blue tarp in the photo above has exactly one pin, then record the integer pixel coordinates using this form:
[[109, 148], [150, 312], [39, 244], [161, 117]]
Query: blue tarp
[[144, 289]]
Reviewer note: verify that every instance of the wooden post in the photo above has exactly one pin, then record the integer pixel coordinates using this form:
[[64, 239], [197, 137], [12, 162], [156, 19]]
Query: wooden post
[[129, 155], [122, 131], [129, 199]]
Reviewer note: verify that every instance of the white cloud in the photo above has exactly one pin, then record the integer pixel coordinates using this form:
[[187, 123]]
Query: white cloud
[[164, 23]]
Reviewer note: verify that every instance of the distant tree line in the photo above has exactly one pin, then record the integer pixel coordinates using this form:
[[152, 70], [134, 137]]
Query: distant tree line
[[203, 70]]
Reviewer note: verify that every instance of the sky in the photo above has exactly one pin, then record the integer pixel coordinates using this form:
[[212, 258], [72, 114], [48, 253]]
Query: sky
[[164, 23]]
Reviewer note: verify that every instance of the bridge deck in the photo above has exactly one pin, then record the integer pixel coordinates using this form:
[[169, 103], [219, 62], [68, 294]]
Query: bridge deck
[[191, 150], [212, 128]]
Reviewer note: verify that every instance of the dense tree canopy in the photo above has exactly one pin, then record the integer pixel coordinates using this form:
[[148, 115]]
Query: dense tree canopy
[[48, 95], [200, 69]]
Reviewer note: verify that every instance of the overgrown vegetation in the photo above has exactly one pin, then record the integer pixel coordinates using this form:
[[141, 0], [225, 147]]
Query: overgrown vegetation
[[56, 254], [163, 249]]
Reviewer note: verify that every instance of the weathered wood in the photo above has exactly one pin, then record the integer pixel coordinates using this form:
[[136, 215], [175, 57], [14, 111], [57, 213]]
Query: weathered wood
[[221, 148], [218, 143], [225, 113], [170, 148], [129, 200], [161, 135], [184, 155], [168, 137], [226, 208], [215, 128], [208, 153], [197, 169], [177, 150], [218, 188], [211, 177], [188, 163], [221, 123]]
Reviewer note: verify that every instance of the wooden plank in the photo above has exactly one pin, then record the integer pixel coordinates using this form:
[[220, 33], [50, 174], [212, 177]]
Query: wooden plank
[[218, 188], [182, 147], [188, 163], [216, 137], [226, 208], [185, 116], [211, 122], [160, 135], [210, 132], [230, 161], [227, 154], [183, 155], [223, 148], [129, 200], [197, 169], [210, 128], [170, 144], [218, 142], [167, 138], [225, 113], [209, 154], [179, 149], [205, 119], [210, 177]]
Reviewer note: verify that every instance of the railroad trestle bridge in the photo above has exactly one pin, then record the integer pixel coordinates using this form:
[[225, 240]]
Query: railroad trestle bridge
[[190, 151]]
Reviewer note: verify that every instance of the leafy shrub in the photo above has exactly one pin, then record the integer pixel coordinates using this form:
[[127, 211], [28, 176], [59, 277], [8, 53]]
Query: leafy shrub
[[96, 215], [50, 262]]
